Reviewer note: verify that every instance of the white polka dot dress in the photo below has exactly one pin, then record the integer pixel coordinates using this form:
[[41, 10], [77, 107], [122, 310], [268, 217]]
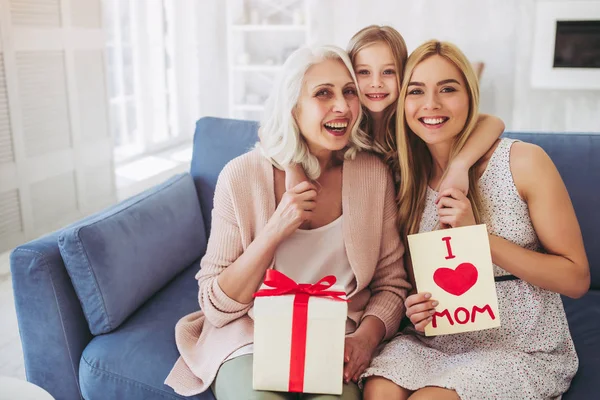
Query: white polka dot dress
[[531, 356]]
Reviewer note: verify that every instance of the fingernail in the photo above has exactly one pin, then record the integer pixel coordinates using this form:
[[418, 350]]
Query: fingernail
[[427, 295], [435, 303], [431, 312]]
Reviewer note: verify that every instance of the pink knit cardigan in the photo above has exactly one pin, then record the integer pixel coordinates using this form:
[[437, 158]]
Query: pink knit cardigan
[[243, 203]]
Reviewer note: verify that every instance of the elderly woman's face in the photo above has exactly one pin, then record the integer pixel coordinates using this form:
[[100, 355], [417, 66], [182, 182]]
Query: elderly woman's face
[[328, 107]]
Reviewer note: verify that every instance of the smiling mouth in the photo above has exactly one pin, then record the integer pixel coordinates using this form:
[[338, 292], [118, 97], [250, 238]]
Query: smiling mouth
[[376, 96], [433, 122], [336, 128]]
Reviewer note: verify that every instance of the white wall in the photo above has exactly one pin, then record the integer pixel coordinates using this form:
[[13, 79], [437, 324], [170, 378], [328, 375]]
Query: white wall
[[56, 162], [497, 32], [547, 110]]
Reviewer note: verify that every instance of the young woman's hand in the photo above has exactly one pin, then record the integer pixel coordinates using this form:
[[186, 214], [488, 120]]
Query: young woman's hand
[[457, 177], [419, 309], [358, 352], [294, 208], [454, 209]]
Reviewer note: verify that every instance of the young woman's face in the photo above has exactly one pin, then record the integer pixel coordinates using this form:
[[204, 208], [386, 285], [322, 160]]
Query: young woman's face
[[377, 77], [437, 100], [328, 107]]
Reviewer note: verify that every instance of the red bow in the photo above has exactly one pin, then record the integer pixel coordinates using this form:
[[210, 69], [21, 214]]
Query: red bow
[[283, 285]]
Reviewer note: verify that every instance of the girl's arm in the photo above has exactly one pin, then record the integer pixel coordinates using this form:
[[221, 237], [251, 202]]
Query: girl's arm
[[565, 268], [487, 131], [294, 174]]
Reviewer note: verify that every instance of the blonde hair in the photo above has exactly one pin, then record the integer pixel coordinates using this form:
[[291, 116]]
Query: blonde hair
[[413, 155], [383, 142], [281, 140]]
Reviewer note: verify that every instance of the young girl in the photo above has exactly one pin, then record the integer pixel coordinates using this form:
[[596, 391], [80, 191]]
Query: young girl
[[378, 54], [535, 241]]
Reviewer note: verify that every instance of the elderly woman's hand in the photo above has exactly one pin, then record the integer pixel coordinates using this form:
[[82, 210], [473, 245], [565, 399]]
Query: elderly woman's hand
[[294, 208]]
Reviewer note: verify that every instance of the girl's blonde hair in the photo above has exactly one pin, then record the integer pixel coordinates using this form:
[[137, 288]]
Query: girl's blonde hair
[[281, 140], [413, 155], [383, 142]]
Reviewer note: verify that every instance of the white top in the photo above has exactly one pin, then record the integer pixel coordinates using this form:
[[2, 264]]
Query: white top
[[306, 256]]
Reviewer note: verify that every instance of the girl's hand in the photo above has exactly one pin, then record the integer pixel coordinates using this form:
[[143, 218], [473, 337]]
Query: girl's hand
[[454, 209], [294, 175], [457, 177], [419, 309], [295, 207]]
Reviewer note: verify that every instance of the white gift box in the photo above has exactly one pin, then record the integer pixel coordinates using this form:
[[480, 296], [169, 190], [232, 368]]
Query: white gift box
[[324, 350]]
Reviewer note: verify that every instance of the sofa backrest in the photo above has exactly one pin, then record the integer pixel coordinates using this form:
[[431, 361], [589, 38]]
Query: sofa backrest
[[216, 142], [577, 157]]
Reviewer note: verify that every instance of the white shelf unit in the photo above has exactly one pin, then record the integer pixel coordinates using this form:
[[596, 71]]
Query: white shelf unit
[[261, 34]]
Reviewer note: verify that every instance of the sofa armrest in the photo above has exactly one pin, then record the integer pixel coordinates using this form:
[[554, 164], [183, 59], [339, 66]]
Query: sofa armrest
[[52, 326], [125, 253]]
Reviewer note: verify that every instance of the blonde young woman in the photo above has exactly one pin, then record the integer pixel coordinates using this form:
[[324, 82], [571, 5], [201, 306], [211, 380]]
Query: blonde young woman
[[378, 55], [313, 117], [536, 244]]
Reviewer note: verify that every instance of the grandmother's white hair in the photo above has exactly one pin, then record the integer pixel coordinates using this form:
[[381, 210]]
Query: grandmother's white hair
[[281, 140]]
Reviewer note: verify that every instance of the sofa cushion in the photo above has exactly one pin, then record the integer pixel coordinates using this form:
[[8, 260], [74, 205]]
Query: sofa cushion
[[122, 256], [584, 322], [133, 361]]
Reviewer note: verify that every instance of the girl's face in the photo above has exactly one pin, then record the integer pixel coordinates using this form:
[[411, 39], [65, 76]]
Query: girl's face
[[328, 107], [377, 77], [437, 100]]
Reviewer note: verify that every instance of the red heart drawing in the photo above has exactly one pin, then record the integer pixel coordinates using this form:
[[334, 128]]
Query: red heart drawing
[[456, 281]]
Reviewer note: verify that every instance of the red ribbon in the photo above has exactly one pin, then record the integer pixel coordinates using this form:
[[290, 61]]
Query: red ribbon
[[283, 285]]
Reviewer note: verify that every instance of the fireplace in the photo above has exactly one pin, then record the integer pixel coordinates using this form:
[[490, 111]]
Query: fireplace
[[566, 53], [577, 44]]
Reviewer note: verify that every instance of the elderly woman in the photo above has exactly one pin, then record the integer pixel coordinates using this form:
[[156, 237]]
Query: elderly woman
[[312, 118]]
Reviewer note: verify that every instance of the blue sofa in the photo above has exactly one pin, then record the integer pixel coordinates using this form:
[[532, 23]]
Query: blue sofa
[[97, 301]]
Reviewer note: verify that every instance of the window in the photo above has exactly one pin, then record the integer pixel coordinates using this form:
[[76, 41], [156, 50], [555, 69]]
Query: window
[[142, 86]]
